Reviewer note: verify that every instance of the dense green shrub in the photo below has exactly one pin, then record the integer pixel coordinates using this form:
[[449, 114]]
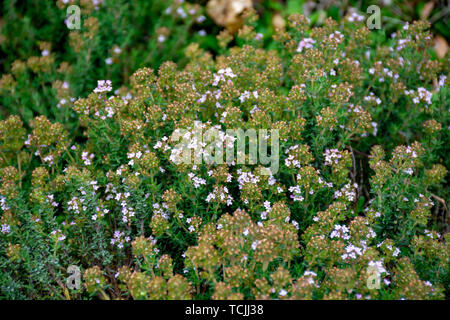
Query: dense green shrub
[[394, 12], [363, 124], [51, 65]]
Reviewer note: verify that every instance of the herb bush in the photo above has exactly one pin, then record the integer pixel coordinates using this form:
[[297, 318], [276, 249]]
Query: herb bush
[[46, 66], [363, 124], [393, 12]]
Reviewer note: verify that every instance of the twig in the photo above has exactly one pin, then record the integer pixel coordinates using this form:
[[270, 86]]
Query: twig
[[58, 281], [441, 201]]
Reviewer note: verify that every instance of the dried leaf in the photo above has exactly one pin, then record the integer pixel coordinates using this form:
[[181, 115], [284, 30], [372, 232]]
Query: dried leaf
[[426, 11], [278, 21], [228, 13], [441, 46]]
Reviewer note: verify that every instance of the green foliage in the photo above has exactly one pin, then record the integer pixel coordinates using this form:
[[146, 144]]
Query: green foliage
[[363, 130], [125, 32]]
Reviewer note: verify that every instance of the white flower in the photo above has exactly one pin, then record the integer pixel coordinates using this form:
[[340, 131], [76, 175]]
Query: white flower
[[282, 292], [103, 86], [306, 43], [396, 252], [378, 265], [408, 171], [6, 228]]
